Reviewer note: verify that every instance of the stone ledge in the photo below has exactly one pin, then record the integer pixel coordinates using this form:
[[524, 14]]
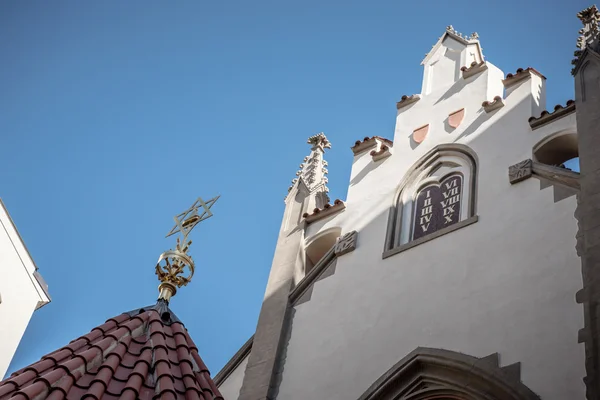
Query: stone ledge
[[406, 100], [320, 213], [547, 117], [521, 74], [384, 152], [474, 69], [435, 235], [495, 104], [368, 142]]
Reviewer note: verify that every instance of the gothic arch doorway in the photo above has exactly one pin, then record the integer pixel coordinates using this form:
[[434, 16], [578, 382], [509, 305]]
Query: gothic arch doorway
[[436, 374]]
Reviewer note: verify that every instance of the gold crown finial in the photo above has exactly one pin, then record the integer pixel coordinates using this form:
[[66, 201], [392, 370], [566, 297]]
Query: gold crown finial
[[175, 268]]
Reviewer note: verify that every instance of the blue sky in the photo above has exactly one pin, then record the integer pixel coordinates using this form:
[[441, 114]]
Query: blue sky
[[115, 116]]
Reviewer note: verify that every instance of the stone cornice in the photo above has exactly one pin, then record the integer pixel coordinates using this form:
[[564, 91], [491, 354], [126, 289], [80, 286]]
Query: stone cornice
[[384, 152], [367, 143], [473, 69], [528, 168], [320, 213], [495, 104], [520, 75], [406, 100], [546, 116]]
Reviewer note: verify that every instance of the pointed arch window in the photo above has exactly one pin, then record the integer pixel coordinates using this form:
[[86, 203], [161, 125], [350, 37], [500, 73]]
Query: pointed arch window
[[436, 196], [429, 373]]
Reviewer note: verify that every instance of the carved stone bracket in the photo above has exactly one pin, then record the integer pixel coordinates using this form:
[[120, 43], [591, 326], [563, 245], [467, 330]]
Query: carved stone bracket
[[346, 243], [520, 171], [528, 168]]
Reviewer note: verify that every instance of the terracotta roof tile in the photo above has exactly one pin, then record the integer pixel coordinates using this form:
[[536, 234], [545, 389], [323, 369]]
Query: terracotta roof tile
[[140, 355]]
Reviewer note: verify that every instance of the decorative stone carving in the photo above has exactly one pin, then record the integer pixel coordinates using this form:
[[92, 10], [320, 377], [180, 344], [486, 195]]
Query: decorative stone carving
[[450, 29], [490, 106], [520, 171], [565, 178], [346, 243], [312, 171], [589, 34], [420, 134]]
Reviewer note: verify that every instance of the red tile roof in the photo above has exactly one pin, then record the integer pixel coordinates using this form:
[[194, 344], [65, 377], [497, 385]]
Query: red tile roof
[[143, 354]]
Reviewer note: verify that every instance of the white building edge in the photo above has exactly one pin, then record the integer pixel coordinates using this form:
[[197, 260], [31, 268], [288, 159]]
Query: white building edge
[[447, 273], [22, 289]]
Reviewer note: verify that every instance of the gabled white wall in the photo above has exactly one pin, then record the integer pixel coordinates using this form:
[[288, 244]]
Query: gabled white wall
[[20, 292], [505, 284]]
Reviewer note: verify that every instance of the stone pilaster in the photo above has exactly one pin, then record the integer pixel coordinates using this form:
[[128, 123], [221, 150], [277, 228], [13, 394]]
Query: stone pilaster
[[308, 191], [587, 98]]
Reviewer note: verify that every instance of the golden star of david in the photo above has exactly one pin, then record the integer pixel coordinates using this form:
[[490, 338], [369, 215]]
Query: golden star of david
[[187, 220]]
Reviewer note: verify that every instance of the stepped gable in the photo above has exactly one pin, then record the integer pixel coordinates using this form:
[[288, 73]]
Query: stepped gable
[[140, 355]]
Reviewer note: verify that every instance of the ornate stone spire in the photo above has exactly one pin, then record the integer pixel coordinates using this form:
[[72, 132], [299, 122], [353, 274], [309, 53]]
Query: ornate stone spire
[[589, 34], [313, 170], [175, 268]]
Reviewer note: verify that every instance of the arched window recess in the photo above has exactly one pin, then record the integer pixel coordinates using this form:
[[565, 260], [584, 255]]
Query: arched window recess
[[436, 196]]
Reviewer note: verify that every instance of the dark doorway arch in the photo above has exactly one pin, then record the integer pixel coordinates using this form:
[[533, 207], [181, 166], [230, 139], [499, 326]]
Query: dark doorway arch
[[437, 374]]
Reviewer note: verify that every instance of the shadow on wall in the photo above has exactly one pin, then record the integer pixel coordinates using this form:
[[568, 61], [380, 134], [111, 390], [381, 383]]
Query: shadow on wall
[[454, 89], [365, 171]]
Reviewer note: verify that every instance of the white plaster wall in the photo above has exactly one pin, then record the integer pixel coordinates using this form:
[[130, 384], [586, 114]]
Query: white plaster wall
[[230, 388], [19, 291], [505, 284]]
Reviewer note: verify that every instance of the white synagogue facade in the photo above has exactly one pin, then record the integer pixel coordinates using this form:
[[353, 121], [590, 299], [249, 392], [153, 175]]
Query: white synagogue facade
[[461, 264]]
